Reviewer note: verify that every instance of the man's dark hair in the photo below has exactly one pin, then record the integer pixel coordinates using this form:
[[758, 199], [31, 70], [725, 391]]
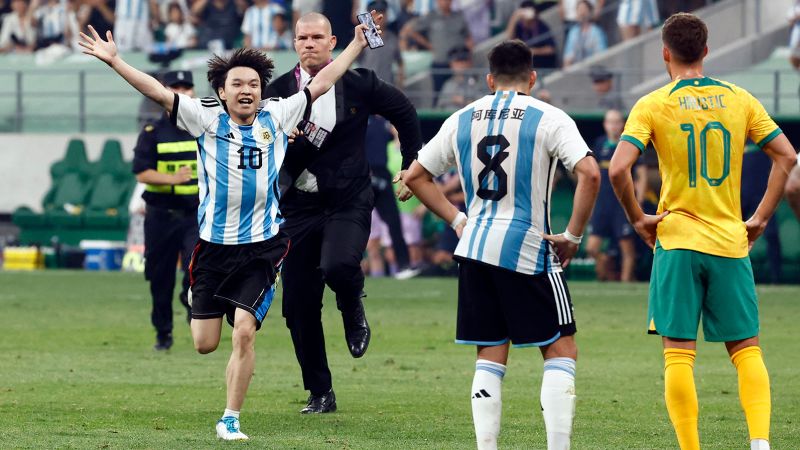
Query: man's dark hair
[[685, 35], [510, 61], [218, 67]]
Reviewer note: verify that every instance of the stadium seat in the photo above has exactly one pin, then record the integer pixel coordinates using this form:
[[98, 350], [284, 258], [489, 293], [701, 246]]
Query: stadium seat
[[74, 161], [111, 160], [72, 190], [107, 205]]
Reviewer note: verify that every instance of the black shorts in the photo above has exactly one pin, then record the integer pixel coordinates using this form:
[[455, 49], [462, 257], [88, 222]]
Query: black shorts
[[226, 277], [496, 305]]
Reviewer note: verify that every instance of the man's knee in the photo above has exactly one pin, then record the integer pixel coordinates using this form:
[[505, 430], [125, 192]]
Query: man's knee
[[340, 274], [205, 346], [244, 335]]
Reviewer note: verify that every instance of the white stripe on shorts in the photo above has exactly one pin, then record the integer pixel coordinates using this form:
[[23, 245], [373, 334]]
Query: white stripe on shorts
[[556, 298]]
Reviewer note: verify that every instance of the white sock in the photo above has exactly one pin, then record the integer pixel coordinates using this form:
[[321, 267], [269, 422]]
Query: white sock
[[558, 401], [486, 403], [759, 444], [230, 413]]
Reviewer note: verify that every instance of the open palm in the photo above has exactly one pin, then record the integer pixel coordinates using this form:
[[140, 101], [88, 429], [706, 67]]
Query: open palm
[[94, 45]]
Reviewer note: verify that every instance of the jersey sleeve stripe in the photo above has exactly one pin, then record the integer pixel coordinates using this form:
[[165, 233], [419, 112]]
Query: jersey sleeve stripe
[[633, 141], [173, 118], [769, 138]]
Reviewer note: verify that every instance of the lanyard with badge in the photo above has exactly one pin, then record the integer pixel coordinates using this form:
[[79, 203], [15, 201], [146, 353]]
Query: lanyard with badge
[[315, 135]]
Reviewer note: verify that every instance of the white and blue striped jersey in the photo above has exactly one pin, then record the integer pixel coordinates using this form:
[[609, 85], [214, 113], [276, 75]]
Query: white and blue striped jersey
[[52, 19], [133, 10], [238, 165], [257, 23], [505, 147]]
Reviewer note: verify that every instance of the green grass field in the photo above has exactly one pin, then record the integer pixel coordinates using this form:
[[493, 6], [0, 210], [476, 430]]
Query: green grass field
[[77, 370]]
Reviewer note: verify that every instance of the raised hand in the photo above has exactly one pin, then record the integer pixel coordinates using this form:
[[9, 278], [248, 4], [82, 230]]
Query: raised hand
[[755, 228], [360, 37], [105, 51]]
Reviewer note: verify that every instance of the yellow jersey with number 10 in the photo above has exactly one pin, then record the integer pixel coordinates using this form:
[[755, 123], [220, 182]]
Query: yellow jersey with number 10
[[699, 128]]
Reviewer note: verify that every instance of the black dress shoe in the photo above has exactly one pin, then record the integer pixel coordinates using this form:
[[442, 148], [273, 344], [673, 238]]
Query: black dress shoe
[[163, 342], [356, 330], [320, 404]]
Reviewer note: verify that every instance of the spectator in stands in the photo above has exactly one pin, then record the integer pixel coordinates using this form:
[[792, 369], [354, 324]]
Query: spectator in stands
[[17, 32], [257, 24], [218, 21], [282, 37], [526, 26], [608, 220], [568, 10], [440, 31], [544, 95], [5, 8], [603, 87], [464, 87], [636, 16], [383, 59], [179, 32], [132, 24], [97, 13], [477, 13], [50, 20], [794, 38], [584, 39]]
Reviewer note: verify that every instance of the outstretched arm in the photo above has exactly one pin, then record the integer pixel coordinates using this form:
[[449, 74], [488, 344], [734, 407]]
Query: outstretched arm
[[106, 51], [329, 75]]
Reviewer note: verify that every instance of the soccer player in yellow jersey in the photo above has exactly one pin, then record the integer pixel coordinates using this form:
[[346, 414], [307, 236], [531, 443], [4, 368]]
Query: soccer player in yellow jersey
[[698, 126]]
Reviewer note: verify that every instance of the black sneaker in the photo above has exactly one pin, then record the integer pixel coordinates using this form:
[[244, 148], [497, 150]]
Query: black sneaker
[[163, 342]]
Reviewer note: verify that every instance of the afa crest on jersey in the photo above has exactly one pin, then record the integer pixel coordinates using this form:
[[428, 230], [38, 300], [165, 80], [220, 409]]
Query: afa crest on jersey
[[267, 137]]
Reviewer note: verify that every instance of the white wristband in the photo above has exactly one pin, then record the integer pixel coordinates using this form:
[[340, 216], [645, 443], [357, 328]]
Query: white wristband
[[572, 238], [460, 217]]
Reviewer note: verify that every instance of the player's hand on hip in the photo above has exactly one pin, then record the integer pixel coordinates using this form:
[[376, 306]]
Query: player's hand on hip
[[565, 249], [755, 227], [403, 192], [646, 227], [183, 175], [94, 45]]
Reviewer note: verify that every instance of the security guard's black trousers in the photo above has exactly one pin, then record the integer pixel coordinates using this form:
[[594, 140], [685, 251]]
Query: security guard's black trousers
[[168, 233], [326, 248]]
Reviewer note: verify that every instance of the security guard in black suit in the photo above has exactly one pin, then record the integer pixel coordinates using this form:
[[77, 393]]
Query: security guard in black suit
[[165, 160]]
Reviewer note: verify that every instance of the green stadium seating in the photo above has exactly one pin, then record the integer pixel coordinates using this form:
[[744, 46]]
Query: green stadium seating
[[108, 202], [111, 160], [74, 161]]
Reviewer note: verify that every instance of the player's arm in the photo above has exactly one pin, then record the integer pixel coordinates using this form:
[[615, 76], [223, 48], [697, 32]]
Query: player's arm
[[619, 172], [106, 51], [329, 75], [435, 159], [421, 183], [783, 157]]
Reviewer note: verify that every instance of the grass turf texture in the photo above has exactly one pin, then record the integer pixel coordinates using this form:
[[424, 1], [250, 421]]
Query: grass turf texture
[[77, 370]]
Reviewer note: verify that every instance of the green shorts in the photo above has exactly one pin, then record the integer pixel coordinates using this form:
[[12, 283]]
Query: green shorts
[[685, 284]]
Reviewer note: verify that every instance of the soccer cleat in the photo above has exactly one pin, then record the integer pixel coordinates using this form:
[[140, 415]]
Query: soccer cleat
[[228, 429], [407, 273]]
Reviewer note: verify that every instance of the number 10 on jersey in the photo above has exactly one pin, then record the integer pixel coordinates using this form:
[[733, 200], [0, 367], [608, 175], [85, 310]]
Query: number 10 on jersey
[[692, 152]]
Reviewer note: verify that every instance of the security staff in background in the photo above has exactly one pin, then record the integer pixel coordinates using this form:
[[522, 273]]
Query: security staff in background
[[328, 204], [165, 160]]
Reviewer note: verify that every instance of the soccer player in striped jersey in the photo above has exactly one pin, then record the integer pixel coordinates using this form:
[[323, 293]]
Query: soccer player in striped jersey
[[511, 287], [241, 143], [701, 269]]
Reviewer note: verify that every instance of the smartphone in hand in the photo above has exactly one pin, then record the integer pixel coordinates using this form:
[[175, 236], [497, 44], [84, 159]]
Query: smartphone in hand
[[373, 37]]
